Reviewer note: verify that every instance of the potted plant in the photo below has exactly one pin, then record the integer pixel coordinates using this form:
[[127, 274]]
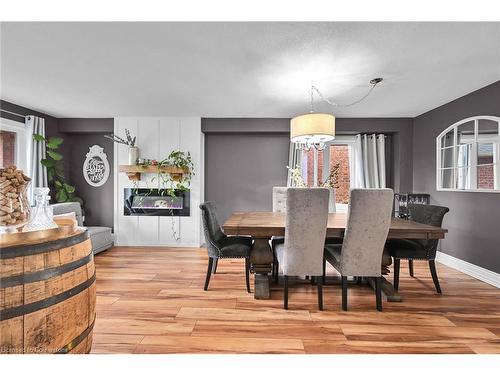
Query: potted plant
[[64, 192], [133, 150]]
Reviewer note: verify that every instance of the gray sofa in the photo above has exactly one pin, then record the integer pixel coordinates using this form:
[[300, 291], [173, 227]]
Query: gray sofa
[[101, 237]]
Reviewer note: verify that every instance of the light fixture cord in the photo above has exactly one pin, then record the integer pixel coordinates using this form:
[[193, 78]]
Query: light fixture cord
[[312, 97], [333, 104]]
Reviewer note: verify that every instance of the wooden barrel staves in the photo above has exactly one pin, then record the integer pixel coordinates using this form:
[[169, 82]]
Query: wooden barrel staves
[[47, 293]]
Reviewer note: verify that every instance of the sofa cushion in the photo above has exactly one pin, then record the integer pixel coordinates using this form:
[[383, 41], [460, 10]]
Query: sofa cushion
[[68, 207], [101, 238], [65, 219]]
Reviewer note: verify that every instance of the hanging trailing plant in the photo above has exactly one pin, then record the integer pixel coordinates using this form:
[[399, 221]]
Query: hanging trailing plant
[[55, 172], [182, 160]]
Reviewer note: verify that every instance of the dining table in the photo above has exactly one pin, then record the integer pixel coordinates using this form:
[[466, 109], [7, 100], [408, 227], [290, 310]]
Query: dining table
[[263, 225]]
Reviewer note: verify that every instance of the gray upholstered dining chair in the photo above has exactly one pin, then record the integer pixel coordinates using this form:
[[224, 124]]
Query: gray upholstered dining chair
[[360, 254], [279, 205], [418, 249], [301, 253], [219, 245]]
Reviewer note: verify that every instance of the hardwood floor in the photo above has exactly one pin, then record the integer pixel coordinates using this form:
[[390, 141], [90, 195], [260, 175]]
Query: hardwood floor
[[151, 300]]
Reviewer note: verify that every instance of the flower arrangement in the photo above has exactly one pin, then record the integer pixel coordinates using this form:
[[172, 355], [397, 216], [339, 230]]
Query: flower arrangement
[[332, 181], [296, 177]]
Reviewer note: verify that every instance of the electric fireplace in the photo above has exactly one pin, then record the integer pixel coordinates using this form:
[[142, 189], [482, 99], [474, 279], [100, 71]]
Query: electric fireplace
[[155, 202]]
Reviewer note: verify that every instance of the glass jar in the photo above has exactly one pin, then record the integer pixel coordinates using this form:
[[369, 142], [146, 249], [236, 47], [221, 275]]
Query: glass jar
[[14, 203], [41, 218]]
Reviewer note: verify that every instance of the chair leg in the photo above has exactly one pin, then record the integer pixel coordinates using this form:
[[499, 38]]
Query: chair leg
[[216, 262], [285, 296], [432, 266], [323, 281], [344, 292], [410, 266], [276, 274], [378, 292], [319, 283], [209, 272], [247, 273], [397, 265]]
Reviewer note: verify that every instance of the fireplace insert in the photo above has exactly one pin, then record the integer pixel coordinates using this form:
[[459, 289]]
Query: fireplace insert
[[155, 202]]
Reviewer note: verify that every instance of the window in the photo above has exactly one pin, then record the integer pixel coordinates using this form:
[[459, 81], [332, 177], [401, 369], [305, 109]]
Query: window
[[467, 155], [7, 148], [13, 144], [337, 151]]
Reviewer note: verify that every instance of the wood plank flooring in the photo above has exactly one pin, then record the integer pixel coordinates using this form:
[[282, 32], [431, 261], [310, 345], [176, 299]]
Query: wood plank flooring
[[151, 300]]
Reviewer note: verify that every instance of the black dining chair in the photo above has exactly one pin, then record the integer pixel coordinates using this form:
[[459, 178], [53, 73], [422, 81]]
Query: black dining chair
[[219, 245], [418, 249]]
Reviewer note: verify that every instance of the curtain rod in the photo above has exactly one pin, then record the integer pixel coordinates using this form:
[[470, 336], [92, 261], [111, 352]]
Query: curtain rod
[[13, 113]]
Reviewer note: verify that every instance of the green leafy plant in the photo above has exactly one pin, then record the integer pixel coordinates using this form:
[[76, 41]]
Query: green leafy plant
[[169, 187], [55, 173], [184, 161]]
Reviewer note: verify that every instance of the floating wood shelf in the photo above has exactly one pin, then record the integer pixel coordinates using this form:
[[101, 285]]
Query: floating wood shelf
[[134, 171]]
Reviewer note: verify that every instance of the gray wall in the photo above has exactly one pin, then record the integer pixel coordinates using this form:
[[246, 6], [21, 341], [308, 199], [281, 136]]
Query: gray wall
[[241, 169], [244, 158], [474, 218], [79, 134]]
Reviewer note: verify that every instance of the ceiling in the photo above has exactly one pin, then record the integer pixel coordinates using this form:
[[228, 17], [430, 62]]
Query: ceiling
[[243, 69]]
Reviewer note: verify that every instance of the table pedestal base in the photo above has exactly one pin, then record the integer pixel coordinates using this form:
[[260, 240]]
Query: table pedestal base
[[261, 259], [387, 289]]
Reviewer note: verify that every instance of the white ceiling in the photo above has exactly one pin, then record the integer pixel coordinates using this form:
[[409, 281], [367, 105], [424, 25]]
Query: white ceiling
[[243, 69]]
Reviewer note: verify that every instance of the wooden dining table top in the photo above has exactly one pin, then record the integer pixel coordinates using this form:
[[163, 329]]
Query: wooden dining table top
[[263, 224]]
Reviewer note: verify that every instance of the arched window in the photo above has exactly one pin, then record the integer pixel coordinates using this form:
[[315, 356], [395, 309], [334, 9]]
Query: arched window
[[468, 155]]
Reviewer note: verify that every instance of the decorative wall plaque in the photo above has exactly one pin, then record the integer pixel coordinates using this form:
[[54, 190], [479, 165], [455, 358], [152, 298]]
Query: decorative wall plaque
[[96, 166]]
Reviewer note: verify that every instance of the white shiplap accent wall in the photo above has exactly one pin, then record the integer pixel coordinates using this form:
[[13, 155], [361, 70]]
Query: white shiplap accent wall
[[156, 138]]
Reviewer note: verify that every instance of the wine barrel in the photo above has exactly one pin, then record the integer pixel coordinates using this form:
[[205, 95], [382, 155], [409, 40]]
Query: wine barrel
[[47, 292]]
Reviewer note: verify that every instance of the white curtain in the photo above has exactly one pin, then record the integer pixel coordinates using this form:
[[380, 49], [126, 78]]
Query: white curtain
[[36, 152], [294, 160], [463, 174], [369, 161]]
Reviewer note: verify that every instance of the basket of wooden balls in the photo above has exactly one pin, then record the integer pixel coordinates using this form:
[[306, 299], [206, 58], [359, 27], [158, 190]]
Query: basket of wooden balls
[[14, 203]]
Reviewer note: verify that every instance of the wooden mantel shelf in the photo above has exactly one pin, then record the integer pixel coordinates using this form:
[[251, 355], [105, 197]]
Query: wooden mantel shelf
[[134, 171]]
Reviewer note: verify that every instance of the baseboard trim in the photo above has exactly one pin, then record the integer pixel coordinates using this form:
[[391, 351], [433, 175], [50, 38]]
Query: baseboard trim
[[133, 244], [470, 269]]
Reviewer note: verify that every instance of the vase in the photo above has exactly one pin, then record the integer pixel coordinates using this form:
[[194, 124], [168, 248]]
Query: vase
[[133, 155], [15, 207], [40, 220]]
